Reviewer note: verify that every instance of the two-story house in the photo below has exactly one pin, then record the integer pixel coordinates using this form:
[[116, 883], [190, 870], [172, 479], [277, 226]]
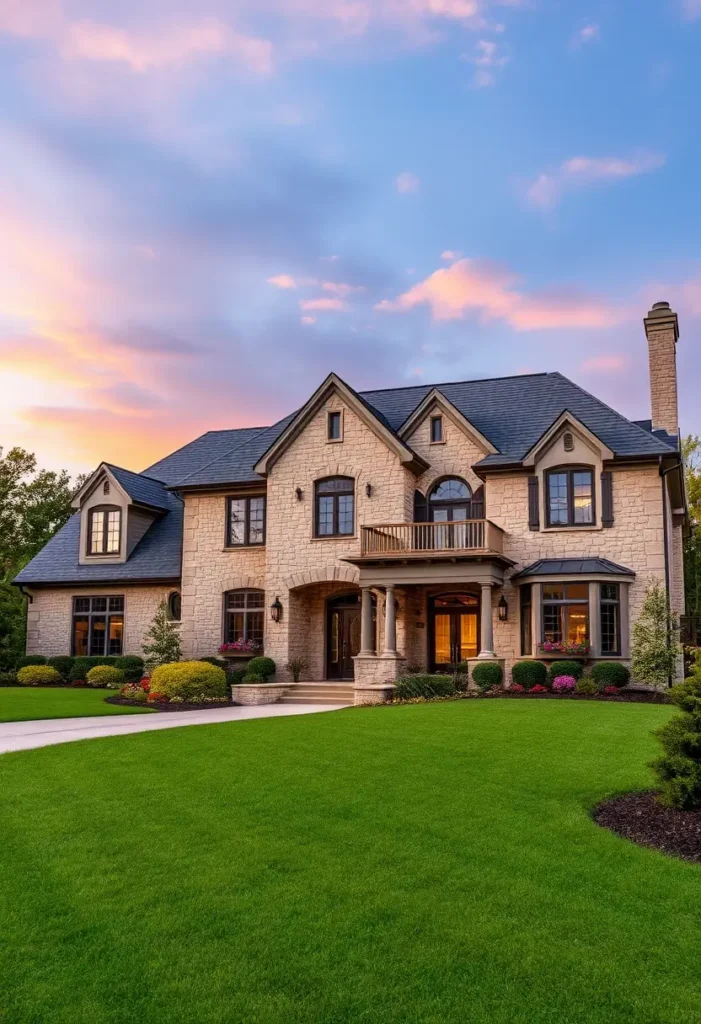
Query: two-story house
[[426, 525]]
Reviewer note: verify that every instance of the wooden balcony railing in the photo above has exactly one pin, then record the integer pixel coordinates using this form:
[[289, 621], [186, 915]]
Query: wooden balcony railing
[[401, 539]]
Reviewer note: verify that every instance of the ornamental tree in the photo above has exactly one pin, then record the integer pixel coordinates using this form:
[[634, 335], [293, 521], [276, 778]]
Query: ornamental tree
[[656, 648], [679, 767], [162, 641]]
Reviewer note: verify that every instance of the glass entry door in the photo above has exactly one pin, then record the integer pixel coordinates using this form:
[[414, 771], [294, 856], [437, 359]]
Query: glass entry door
[[454, 630]]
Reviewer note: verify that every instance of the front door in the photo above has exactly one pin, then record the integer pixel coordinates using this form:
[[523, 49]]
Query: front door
[[454, 630], [343, 638]]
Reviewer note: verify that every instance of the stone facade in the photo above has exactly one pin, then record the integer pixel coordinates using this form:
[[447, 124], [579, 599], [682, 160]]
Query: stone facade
[[49, 615]]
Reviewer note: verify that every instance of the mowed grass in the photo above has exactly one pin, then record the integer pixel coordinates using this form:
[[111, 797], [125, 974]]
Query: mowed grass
[[30, 703], [423, 864]]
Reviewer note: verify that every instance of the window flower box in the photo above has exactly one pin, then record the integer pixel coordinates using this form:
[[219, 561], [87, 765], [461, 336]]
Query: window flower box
[[241, 649], [560, 647]]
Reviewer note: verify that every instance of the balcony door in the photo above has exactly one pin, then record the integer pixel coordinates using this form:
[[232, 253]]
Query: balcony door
[[454, 633]]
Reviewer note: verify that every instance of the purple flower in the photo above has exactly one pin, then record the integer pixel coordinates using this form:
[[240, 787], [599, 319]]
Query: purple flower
[[564, 684]]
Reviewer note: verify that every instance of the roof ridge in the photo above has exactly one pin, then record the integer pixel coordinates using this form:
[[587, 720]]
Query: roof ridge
[[135, 472], [595, 398], [446, 383]]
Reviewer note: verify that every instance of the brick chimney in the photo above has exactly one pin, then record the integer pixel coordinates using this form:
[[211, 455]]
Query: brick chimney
[[662, 330]]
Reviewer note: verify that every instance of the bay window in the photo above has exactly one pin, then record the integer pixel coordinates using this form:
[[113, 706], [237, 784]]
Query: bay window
[[610, 618], [566, 613]]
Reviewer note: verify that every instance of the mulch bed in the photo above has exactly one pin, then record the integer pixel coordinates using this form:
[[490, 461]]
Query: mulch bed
[[640, 818], [157, 706], [622, 697]]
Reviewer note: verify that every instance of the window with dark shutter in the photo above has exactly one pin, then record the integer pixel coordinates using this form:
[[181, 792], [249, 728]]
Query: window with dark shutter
[[533, 503], [607, 499]]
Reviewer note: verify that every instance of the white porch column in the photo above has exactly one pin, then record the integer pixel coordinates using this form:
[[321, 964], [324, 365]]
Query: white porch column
[[487, 628], [390, 621], [366, 639]]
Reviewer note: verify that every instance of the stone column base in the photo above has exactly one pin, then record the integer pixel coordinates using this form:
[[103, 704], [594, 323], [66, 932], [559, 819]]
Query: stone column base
[[368, 694], [374, 677]]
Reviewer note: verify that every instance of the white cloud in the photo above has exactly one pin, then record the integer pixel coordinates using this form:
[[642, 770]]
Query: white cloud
[[580, 171], [487, 60], [406, 183], [587, 34]]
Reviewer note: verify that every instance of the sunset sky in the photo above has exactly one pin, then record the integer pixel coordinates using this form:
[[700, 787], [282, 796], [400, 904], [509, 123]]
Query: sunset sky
[[206, 207]]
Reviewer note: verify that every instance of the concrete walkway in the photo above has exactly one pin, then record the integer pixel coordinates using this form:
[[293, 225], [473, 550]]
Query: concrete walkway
[[28, 735]]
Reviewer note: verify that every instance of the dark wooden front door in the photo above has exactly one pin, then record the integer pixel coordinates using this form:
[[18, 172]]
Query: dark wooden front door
[[454, 630], [342, 638]]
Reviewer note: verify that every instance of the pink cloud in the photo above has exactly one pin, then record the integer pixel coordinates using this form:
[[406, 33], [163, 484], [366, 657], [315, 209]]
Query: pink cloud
[[586, 34], [603, 364], [406, 183], [691, 9], [450, 254], [328, 305], [307, 320], [580, 171], [490, 292], [283, 281], [341, 289], [488, 60]]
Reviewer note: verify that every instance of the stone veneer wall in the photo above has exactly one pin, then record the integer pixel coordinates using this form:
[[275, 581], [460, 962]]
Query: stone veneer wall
[[50, 613], [294, 556], [209, 570]]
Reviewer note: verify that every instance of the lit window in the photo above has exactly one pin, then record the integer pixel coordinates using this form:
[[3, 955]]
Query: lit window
[[104, 531], [610, 615], [566, 613], [570, 497], [98, 626]]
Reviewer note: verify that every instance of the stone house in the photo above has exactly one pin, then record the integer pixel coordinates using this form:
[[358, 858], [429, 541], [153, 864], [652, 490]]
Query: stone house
[[423, 525]]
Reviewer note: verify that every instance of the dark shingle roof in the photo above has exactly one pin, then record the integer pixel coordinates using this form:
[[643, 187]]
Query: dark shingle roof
[[237, 463], [200, 452], [157, 556], [573, 567], [142, 489]]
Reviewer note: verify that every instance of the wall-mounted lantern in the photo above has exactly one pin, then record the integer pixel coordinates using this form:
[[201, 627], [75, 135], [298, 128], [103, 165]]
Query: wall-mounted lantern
[[276, 610], [368, 490], [299, 492], [503, 609]]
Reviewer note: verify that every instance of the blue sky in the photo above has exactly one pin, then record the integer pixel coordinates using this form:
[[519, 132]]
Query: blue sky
[[206, 209]]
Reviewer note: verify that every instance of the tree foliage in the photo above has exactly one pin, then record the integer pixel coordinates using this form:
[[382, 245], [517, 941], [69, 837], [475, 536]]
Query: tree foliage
[[34, 504], [691, 450], [679, 767], [162, 641], [656, 649]]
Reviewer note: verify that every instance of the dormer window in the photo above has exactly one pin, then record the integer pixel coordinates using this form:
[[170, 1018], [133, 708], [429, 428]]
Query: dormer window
[[104, 530], [334, 426], [436, 430]]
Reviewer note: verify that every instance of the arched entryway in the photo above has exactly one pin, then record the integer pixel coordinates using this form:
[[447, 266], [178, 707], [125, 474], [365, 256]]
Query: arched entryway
[[454, 629], [343, 635]]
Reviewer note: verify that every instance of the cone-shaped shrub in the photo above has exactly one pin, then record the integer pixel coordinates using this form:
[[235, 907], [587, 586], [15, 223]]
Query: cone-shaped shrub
[[679, 767]]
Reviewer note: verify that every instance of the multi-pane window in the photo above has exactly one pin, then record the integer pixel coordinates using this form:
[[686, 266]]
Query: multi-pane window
[[566, 613], [610, 613], [436, 429], [334, 426], [526, 619], [570, 497], [243, 617], [335, 507], [98, 626], [104, 531], [245, 521]]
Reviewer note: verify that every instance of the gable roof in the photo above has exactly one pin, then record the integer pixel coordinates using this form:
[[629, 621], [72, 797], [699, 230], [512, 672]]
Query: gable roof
[[200, 452]]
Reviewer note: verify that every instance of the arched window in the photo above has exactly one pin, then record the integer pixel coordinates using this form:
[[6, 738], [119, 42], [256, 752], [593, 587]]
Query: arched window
[[243, 617], [174, 606], [104, 530], [334, 507], [450, 501]]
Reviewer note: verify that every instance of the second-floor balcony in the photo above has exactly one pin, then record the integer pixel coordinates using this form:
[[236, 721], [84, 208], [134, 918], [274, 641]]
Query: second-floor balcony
[[431, 540]]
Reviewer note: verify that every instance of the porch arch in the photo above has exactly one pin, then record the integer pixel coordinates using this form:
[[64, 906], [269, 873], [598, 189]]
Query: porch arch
[[324, 574]]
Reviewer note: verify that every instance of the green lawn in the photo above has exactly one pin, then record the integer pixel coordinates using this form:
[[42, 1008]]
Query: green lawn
[[423, 864], [29, 703]]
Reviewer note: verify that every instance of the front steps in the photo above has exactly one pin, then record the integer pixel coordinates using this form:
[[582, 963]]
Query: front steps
[[318, 693]]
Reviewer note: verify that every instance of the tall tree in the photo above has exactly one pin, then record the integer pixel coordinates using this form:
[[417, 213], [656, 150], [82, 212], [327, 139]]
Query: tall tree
[[691, 450], [34, 504]]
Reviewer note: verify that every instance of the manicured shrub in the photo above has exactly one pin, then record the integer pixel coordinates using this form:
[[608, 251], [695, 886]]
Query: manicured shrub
[[263, 667], [31, 659], [679, 767], [254, 677], [189, 680], [219, 662], [529, 674], [610, 673], [408, 687], [106, 675], [8, 679], [488, 674], [234, 676], [132, 665], [82, 665], [564, 684], [586, 686], [38, 675], [566, 668], [63, 665]]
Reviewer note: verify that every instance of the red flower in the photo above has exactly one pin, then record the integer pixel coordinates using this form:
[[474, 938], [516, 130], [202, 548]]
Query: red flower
[[516, 688], [538, 689], [146, 683], [155, 696], [610, 689]]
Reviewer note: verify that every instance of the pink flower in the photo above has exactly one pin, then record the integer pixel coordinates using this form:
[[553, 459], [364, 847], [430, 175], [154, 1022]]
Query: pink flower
[[564, 684]]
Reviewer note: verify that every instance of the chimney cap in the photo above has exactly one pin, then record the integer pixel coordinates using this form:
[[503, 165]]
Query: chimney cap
[[660, 305], [661, 315]]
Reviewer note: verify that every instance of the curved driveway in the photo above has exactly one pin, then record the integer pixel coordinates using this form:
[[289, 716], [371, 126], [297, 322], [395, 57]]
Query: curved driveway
[[27, 735]]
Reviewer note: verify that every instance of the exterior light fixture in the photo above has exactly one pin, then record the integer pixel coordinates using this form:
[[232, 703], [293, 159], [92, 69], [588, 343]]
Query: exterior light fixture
[[276, 610], [503, 609], [299, 492], [368, 490]]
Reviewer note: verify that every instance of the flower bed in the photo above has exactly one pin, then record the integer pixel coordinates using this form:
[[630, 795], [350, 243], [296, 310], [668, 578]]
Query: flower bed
[[540, 693], [641, 819], [155, 705]]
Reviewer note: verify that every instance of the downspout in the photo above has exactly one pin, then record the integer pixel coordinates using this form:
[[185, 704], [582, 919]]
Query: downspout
[[665, 529]]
